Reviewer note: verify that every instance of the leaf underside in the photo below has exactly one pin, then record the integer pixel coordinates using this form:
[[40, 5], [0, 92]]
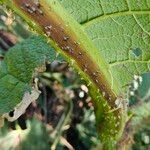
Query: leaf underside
[[120, 29]]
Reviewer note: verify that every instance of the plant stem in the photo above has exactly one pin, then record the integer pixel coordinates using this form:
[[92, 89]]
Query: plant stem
[[67, 37], [63, 121]]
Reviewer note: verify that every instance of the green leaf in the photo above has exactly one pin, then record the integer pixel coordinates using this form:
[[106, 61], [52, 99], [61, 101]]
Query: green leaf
[[144, 89], [108, 48], [121, 32], [21, 64]]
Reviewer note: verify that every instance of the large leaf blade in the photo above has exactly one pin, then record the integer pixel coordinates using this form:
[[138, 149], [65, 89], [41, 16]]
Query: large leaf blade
[[121, 32], [124, 44], [105, 114], [86, 10]]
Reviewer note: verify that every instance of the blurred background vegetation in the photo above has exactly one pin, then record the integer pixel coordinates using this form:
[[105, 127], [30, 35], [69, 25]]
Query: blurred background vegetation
[[63, 117]]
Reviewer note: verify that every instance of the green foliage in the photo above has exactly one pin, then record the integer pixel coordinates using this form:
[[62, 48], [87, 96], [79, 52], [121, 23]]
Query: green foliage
[[119, 29], [37, 138], [87, 131], [145, 87], [115, 36], [18, 68], [142, 139]]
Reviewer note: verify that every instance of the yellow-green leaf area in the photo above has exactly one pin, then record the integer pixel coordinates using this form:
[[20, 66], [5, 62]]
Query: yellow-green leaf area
[[85, 10], [121, 32], [124, 41]]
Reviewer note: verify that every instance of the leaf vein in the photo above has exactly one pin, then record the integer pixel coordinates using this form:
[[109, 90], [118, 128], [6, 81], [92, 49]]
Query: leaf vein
[[105, 16]]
